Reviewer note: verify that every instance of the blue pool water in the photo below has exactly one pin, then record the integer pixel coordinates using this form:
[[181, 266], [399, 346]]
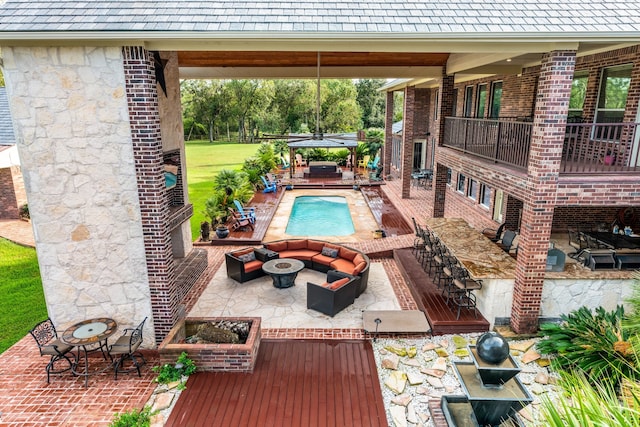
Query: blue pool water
[[320, 216]]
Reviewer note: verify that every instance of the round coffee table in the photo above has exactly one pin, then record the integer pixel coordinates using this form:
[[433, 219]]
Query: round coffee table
[[283, 271]]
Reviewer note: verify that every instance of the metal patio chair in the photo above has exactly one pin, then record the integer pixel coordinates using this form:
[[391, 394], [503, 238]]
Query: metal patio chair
[[50, 345], [126, 348]]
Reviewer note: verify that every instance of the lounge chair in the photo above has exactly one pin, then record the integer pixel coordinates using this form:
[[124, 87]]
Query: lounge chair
[[238, 222], [284, 164], [300, 161], [363, 162], [374, 164], [245, 213], [269, 187], [377, 175]]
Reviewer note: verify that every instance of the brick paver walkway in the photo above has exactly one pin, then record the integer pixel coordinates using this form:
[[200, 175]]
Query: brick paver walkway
[[17, 231]]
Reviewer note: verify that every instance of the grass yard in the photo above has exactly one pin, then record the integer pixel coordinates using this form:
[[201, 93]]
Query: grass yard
[[21, 296], [204, 161]]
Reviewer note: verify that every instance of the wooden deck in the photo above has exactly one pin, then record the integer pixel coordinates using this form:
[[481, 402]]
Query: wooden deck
[[441, 317], [295, 383], [265, 204]]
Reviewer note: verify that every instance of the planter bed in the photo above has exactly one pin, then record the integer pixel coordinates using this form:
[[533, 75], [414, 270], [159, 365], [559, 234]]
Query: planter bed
[[212, 357]]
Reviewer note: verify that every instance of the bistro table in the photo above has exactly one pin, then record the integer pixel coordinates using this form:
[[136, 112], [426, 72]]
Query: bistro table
[[88, 336], [283, 271]]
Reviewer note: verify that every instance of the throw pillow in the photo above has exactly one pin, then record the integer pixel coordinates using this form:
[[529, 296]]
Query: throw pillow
[[247, 257], [333, 253]]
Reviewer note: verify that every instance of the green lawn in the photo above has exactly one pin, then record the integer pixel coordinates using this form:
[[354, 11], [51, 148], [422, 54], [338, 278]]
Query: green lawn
[[21, 296], [204, 161]]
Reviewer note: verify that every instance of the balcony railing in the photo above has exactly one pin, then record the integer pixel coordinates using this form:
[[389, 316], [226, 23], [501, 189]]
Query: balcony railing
[[501, 141], [588, 147]]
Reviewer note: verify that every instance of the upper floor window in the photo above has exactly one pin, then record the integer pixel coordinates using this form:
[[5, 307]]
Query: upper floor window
[[612, 96], [496, 99], [468, 101], [481, 101], [435, 110], [578, 95], [461, 179], [449, 176]]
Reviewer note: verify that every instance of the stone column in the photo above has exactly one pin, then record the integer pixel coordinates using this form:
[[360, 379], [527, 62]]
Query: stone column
[[388, 135], [73, 133], [407, 140], [550, 118], [142, 99]]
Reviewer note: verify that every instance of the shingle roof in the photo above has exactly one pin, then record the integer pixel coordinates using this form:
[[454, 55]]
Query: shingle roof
[[318, 16], [6, 127]]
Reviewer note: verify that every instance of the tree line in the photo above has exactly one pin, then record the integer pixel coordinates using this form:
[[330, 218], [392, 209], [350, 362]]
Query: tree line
[[217, 109]]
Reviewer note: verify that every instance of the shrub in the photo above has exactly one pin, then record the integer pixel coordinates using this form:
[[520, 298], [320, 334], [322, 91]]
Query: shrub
[[133, 418], [595, 344], [24, 211], [170, 373]]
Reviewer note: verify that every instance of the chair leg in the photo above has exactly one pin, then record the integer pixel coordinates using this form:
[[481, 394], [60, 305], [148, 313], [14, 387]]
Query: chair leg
[[51, 369]]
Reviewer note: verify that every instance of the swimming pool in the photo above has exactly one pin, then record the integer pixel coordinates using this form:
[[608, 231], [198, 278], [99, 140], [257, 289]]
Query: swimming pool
[[320, 216]]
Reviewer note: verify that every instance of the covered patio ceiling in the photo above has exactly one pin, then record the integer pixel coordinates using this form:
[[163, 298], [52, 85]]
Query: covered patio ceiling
[[421, 67]]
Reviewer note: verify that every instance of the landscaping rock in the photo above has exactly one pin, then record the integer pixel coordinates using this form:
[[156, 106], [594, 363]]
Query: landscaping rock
[[402, 400], [213, 334], [398, 415], [391, 362], [396, 382]]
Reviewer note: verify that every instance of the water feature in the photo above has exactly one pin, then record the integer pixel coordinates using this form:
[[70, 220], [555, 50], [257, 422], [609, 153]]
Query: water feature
[[320, 216], [493, 393]]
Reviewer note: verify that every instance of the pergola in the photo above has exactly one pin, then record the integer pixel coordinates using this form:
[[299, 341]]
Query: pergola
[[316, 141]]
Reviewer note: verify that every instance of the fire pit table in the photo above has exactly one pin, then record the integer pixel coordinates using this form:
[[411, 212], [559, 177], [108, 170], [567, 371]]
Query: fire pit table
[[283, 271]]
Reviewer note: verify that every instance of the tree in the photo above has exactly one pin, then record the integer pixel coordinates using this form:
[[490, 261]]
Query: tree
[[203, 105], [293, 103], [371, 102], [339, 111], [1, 78]]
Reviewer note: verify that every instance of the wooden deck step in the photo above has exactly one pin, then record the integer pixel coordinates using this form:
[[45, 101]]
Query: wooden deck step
[[441, 317], [295, 383]]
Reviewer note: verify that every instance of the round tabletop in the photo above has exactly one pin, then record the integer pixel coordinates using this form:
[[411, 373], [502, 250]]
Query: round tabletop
[[283, 266], [90, 331]]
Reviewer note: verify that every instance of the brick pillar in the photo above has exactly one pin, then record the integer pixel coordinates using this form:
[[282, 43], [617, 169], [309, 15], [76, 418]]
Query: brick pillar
[[440, 175], [388, 135], [407, 140], [550, 118], [144, 118]]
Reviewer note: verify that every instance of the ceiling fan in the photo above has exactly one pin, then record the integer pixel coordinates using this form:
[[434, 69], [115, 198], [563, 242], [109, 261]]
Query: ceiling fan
[[330, 139]]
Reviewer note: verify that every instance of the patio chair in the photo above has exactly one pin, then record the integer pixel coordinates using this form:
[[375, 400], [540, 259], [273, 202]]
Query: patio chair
[[49, 345], [284, 164], [274, 179], [377, 175], [300, 161], [126, 348], [269, 187], [363, 162], [374, 164], [507, 240], [237, 222], [245, 212], [494, 234]]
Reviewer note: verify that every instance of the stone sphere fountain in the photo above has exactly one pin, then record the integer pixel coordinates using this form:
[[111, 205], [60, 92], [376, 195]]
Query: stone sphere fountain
[[493, 393]]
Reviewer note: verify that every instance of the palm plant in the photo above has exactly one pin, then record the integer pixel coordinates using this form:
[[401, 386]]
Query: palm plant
[[228, 186], [583, 404], [595, 344]]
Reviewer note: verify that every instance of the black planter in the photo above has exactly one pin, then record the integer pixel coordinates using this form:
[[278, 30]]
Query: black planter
[[222, 232]]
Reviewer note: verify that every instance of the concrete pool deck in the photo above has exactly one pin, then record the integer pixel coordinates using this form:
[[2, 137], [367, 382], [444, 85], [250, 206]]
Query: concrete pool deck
[[363, 219]]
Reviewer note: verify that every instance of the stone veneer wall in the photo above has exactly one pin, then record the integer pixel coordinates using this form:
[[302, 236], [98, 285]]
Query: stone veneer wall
[[73, 134]]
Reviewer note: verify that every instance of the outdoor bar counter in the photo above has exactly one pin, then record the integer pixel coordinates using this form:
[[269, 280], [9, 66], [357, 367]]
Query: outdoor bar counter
[[563, 291]]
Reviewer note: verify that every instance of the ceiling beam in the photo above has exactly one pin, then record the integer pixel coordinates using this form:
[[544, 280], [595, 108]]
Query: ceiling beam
[[307, 72]]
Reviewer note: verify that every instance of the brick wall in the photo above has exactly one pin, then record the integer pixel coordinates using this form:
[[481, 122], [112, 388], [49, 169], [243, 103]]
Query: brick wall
[[154, 207], [8, 202]]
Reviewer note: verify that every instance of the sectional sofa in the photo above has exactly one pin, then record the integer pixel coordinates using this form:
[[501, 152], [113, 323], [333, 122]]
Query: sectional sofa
[[246, 264]]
